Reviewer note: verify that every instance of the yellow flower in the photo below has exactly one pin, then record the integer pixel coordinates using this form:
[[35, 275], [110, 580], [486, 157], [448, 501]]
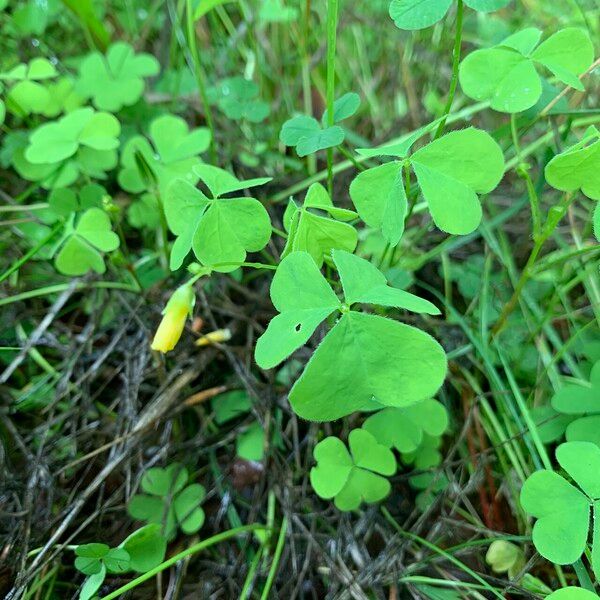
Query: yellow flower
[[176, 311]]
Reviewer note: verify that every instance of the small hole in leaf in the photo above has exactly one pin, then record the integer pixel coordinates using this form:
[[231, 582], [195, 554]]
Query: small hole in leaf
[[298, 327]]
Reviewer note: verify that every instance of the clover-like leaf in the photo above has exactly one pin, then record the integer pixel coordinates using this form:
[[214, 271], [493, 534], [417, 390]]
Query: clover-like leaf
[[249, 444], [168, 501], [418, 14], [403, 428], [355, 476], [306, 134], [316, 234], [65, 201], [92, 584], [238, 99], [452, 170], [578, 167], [562, 511], [89, 557], [506, 74], [81, 249], [380, 199], [505, 557], [219, 230], [117, 79], [231, 405], [84, 141], [172, 154], [582, 403]]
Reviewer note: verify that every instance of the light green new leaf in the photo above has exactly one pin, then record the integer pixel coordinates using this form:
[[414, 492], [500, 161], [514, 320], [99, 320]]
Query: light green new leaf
[[249, 444], [220, 231], [304, 299], [117, 79], [80, 252], [92, 584], [403, 428], [366, 357], [364, 283], [295, 129], [173, 154], [578, 167], [355, 476], [506, 75], [380, 199], [418, 14], [316, 234], [452, 170], [57, 141]]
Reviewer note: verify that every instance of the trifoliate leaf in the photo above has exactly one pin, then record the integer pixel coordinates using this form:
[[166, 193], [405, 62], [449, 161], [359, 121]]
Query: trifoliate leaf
[[418, 14], [355, 476], [146, 548], [238, 99], [91, 235], [117, 79], [219, 230], [172, 154], [506, 75]]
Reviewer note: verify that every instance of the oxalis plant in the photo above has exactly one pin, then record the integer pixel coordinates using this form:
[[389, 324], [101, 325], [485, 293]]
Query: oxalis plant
[[359, 345]]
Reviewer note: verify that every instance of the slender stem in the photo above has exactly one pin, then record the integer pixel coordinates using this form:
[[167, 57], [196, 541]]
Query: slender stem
[[554, 218], [332, 19], [276, 559], [215, 539], [455, 65], [31, 253], [200, 77], [583, 576]]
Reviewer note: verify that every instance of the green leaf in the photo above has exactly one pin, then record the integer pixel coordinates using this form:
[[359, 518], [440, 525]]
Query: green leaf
[[231, 405], [364, 283], [64, 201], [187, 510], [367, 357], [380, 199], [304, 299], [315, 234], [403, 428], [250, 443], [584, 429], [80, 252], [505, 557], [343, 108], [146, 548], [173, 154], [297, 128], [418, 14], [563, 512], [572, 593], [117, 79], [221, 182], [85, 12], [321, 140], [506, 75], [220, 231], [487, 5], [355, 476], [274, 11], [578, 167], [146, 508], [239, 100], [92, 584], [578, 399], [117, 560], [452, 170], [163, 482], [59, 140]]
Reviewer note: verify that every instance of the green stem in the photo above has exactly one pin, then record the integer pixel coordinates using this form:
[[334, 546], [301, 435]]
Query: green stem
[[554, 218], [583, 576], [276, 559], [200, 77], [31, 253], [332, 19], [215, 539], [455, 66]]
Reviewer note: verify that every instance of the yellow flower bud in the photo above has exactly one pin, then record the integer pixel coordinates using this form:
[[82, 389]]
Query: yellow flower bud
[[175, 313], [214, 337]]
